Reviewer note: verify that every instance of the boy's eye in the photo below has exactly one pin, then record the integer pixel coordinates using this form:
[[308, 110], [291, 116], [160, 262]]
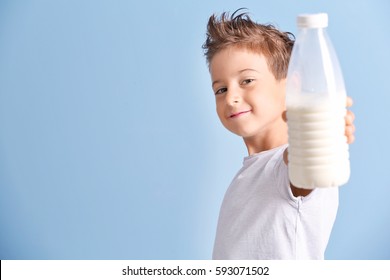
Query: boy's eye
[[221, 90], [247, 81]]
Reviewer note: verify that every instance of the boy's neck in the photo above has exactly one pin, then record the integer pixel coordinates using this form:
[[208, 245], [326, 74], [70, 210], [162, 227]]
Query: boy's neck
[[266, 141]]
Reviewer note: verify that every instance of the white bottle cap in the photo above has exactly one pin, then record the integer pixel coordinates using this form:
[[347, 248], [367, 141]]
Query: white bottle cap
[[312, 20]]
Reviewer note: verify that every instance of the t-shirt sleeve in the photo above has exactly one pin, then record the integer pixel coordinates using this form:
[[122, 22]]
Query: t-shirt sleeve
[[282, 180]]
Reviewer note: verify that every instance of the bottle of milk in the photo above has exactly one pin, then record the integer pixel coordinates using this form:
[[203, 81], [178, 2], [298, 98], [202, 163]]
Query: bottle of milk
[[316, 100]]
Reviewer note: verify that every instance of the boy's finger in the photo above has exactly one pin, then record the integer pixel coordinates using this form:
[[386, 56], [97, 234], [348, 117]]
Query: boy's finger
[[349, 118], [349, 130], [349, 101], [350, 139]]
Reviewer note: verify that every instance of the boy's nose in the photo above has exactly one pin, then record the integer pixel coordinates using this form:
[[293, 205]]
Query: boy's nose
[[233, 97]]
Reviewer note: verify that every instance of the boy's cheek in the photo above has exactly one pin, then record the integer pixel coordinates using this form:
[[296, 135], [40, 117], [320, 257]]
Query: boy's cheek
[[220, 112]]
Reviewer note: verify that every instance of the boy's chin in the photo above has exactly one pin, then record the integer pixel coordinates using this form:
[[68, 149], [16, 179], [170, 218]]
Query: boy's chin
[[243, 134]]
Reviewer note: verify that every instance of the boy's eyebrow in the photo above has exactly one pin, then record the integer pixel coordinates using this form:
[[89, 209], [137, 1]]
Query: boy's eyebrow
[[215, 82], [239, 72], [248, 69]]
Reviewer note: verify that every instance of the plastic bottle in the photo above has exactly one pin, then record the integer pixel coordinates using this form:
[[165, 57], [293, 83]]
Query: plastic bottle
[[316, 99]]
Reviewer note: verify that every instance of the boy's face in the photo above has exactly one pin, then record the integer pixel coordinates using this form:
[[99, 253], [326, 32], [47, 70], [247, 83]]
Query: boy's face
[[250, 101]]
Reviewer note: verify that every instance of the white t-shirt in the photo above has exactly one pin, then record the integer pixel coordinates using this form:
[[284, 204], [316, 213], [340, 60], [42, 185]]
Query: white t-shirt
[[261, 219]]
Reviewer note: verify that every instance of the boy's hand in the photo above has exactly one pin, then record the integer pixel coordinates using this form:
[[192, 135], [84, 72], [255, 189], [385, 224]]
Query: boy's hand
[[349, 126]]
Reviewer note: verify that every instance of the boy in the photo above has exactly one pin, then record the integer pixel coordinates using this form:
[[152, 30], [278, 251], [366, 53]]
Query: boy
[[263, 216]]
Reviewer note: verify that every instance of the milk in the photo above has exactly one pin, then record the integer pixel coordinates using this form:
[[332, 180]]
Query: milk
[[318, 151]]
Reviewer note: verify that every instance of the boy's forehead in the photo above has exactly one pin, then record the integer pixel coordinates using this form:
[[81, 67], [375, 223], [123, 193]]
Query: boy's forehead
[[235, 59]]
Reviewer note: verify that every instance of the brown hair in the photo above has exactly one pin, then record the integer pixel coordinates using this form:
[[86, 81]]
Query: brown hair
[[240, 31]]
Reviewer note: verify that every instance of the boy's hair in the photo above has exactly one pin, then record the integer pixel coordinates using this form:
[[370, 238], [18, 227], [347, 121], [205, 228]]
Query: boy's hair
[[240, 31]]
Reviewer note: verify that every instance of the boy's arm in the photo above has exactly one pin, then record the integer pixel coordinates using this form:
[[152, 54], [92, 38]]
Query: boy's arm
[[349, 133]]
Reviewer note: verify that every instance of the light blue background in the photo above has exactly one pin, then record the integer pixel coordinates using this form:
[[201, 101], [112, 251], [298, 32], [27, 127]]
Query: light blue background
[[110, 147]]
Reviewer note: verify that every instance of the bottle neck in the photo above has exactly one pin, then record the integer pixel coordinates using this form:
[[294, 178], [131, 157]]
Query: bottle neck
[[312, 30], [311, 33]]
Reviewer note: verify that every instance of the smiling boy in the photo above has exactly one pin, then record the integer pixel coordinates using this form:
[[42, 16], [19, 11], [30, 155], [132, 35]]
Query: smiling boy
[[263, 216]]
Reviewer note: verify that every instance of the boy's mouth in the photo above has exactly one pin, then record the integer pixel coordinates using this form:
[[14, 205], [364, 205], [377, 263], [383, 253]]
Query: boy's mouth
[[235, 115]]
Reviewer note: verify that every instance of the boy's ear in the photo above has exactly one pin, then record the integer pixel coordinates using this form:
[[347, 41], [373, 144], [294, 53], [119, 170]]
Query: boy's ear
[[284, 115]]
